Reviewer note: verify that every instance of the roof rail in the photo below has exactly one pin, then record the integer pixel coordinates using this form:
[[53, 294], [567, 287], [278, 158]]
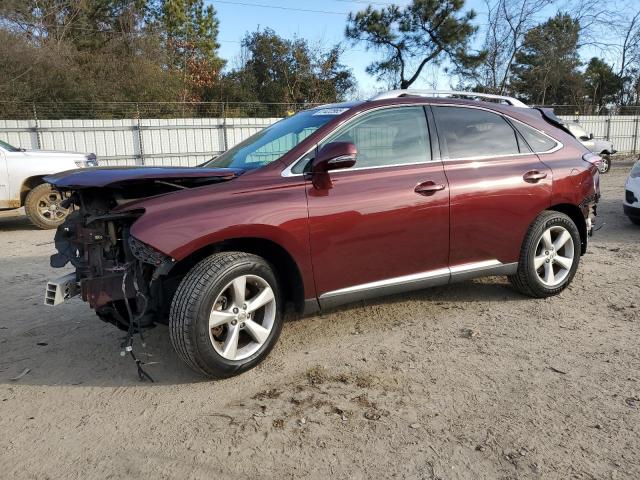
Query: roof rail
[[449, 93]]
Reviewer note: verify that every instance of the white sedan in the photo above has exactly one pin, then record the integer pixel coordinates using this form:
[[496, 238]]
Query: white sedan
[[21, 184]]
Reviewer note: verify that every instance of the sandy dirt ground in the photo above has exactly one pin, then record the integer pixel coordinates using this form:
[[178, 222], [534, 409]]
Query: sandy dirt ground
[[467, 381]]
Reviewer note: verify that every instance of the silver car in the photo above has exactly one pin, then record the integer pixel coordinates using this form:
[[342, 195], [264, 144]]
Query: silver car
[[596, 145]]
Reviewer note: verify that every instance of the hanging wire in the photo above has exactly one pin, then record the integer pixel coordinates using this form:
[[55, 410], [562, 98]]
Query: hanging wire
[[10, 110]]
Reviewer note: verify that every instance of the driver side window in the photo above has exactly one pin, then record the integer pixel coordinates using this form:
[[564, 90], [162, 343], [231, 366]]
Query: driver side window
[[390, 136], [385, 137]]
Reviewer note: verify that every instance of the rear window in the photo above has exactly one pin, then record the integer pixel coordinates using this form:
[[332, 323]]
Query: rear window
[[471, 132], [538, 141]]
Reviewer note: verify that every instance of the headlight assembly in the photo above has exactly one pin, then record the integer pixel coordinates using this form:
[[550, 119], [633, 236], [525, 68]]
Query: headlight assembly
[[90, 161]]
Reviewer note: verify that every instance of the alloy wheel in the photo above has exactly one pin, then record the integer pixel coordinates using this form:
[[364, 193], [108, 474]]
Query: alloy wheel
[[605, 165], [49, 207], [555, 254], [242, 317]]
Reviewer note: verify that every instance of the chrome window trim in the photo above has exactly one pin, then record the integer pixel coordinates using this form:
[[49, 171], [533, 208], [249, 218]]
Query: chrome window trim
[[558, 143], [288, 173], [486, 157], [349, 156]]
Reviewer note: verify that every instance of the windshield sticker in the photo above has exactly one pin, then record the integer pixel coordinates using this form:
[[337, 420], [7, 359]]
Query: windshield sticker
[[331, 111]]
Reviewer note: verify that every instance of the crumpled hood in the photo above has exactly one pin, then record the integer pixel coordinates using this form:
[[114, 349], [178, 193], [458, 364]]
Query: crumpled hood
[[119, 176]]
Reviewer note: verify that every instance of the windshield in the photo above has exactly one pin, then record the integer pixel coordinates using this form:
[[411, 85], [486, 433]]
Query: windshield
[[270, 144], [7, 147]]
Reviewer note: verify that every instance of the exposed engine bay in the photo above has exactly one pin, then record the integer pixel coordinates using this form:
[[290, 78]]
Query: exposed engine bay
[[111, 265], [123, 279]]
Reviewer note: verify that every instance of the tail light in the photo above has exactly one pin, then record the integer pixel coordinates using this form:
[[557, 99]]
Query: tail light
[[593, 159]]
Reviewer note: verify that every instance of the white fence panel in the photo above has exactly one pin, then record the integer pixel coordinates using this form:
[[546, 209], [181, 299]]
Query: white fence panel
[[240, 128], [20, 133], [176, 141], [622, 130], [112, 140], [186, 141]]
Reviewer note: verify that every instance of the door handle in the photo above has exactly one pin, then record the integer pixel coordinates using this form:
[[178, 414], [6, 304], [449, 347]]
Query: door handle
[[428, 188], [534, 176]]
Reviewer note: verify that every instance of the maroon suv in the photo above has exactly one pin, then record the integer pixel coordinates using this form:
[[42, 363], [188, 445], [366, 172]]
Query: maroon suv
[[335, 204]]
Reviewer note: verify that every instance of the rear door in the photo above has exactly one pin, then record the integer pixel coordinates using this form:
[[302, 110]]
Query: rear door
[[383, 226], [498, 185]]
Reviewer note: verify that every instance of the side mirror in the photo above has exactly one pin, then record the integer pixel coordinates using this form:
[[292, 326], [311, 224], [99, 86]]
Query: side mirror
[[335, 156]]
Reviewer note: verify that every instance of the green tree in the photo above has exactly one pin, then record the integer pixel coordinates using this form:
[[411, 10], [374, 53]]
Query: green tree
[[507, 23], [191, 30], [411, 37], [278, 70], [545, 71], [59, 52], [601, 83], [189, 22], [86, 24]]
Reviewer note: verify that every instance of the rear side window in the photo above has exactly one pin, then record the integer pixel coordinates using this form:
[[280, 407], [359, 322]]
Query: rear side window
[[470, 132], [539, 142]]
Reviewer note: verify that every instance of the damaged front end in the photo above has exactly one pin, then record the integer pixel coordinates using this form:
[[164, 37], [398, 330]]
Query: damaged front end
[[123, 279], [118, 275]]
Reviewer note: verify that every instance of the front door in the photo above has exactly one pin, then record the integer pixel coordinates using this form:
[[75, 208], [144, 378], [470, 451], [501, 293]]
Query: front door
[[498, 187], [383, 225]]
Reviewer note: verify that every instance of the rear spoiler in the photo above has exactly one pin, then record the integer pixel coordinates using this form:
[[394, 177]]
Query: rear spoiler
[[550, 116]]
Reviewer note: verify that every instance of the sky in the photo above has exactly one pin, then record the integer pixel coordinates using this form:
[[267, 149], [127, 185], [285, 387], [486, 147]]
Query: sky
[[321, 21]]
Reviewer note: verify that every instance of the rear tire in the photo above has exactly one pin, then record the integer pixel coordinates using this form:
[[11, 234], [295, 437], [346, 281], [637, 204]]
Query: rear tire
[[635, 221], [226, 314], [549, 257], [42, 206]]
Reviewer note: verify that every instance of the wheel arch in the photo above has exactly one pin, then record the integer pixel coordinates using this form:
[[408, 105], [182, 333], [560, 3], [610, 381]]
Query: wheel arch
[[286, 268], [29, 184], [576, 215]]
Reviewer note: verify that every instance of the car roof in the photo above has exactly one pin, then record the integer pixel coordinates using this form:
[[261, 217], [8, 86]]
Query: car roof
[[531, 116]]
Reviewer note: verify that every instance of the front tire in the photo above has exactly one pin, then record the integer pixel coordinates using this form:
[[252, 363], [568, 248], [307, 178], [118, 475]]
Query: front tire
[[42, 206], [549, 256], [606, 164], [226, 314]]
